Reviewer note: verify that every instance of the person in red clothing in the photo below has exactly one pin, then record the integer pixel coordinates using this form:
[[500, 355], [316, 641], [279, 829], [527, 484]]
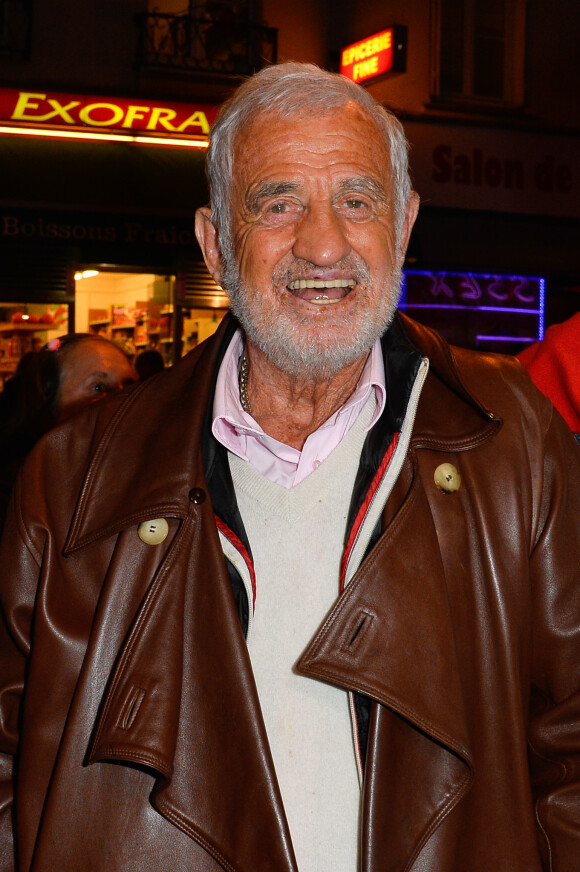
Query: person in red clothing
[[553, 365]]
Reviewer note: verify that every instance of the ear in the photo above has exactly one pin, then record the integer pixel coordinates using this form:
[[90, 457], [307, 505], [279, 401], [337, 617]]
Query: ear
[[411, 211], [206, 234]]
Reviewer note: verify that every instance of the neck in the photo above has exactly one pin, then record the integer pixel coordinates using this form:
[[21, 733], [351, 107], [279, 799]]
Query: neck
[[290, 407]]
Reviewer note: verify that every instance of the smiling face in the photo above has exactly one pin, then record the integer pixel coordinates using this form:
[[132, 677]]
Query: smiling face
[[89, 370], [315, 273]]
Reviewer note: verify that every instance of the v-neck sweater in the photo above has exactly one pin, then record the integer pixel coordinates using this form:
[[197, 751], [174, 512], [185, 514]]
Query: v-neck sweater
[[297, 538]]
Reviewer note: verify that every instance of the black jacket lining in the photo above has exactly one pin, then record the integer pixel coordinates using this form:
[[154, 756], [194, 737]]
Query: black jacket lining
[[402, 360]]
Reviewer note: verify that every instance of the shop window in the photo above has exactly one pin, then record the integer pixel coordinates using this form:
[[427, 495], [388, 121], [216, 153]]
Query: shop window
[[26, 327], [478, 52], [138, 311], [134, 310], [143, 311]]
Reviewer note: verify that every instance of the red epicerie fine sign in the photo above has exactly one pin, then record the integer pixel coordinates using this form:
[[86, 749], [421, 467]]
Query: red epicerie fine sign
[[369, 57]]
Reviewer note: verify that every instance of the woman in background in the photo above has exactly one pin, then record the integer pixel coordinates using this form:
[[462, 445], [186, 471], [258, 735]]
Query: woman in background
[[50, 385]]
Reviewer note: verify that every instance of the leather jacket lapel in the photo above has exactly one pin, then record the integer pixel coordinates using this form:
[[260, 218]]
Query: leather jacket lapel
[[182, 702], [390, 634], [390, 637]]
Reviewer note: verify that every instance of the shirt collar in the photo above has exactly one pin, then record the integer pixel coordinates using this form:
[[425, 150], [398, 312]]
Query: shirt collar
[[228, 408]]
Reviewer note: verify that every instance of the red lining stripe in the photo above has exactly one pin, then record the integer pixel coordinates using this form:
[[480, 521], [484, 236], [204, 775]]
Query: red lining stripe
[[364, 507], [354, 721], [239, 545]]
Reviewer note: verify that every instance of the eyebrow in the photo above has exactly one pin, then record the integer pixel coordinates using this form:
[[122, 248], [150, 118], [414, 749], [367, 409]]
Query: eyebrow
[[267, 190], [363, 185], [100, 374]]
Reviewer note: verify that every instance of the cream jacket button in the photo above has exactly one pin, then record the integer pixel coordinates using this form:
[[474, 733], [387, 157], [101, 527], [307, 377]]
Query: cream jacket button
[[447, 478], [153, 532]]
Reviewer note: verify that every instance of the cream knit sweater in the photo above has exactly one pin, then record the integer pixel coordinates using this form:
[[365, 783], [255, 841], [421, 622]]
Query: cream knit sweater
[[297, 538]]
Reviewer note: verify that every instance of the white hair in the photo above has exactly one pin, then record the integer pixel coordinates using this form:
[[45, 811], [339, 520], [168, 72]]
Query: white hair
[[285, 90]]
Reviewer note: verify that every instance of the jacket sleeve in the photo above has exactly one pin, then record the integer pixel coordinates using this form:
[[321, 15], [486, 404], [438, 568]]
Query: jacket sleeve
[[554, 727], [19, 573]]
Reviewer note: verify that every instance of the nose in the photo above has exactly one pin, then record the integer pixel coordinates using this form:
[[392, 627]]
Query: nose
[[320, 237]]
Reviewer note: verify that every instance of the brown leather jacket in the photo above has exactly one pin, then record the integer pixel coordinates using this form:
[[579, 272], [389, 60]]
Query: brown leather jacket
[[140, 746]]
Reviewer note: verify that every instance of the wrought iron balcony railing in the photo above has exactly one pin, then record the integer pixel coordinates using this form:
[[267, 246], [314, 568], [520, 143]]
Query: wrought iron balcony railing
[[230, 47]]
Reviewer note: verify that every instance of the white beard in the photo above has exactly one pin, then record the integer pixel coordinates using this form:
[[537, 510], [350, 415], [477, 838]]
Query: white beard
[[321, 345]]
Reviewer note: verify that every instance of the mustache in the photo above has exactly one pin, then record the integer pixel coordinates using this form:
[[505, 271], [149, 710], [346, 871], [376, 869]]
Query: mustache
[[353, 264]]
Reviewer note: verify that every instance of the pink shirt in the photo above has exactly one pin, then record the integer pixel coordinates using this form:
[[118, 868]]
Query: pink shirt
[[278, 462]]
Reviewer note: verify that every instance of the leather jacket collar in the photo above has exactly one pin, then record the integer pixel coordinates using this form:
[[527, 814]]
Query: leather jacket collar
[[143, 465]]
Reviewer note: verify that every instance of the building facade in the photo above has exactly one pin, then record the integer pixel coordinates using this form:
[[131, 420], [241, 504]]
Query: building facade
[[104, 113]]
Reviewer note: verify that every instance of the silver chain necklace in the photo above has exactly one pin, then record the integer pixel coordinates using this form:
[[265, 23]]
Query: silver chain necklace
[[243, 383]]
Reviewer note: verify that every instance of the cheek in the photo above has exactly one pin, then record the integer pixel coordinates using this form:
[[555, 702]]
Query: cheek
[[71, 397], [376, 245], [259, 251], [76, 393]]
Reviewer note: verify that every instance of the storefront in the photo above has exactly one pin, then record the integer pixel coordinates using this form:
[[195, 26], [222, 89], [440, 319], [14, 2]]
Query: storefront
[[498, 231], [96, 223], [99, 196]]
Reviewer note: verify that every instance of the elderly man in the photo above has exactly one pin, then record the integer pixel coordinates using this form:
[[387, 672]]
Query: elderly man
[[309, 600]]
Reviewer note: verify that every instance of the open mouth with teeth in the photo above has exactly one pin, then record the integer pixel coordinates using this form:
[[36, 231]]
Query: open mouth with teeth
[[321, 291]]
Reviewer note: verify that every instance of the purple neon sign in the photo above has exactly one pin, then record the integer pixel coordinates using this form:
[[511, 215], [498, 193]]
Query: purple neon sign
[[498, 312]]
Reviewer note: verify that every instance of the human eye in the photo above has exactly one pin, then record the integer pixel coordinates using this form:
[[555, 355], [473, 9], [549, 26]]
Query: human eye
[[355, 203], [278, 208], [356, 208], [98, 385], [281, 212], [360, 198]]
